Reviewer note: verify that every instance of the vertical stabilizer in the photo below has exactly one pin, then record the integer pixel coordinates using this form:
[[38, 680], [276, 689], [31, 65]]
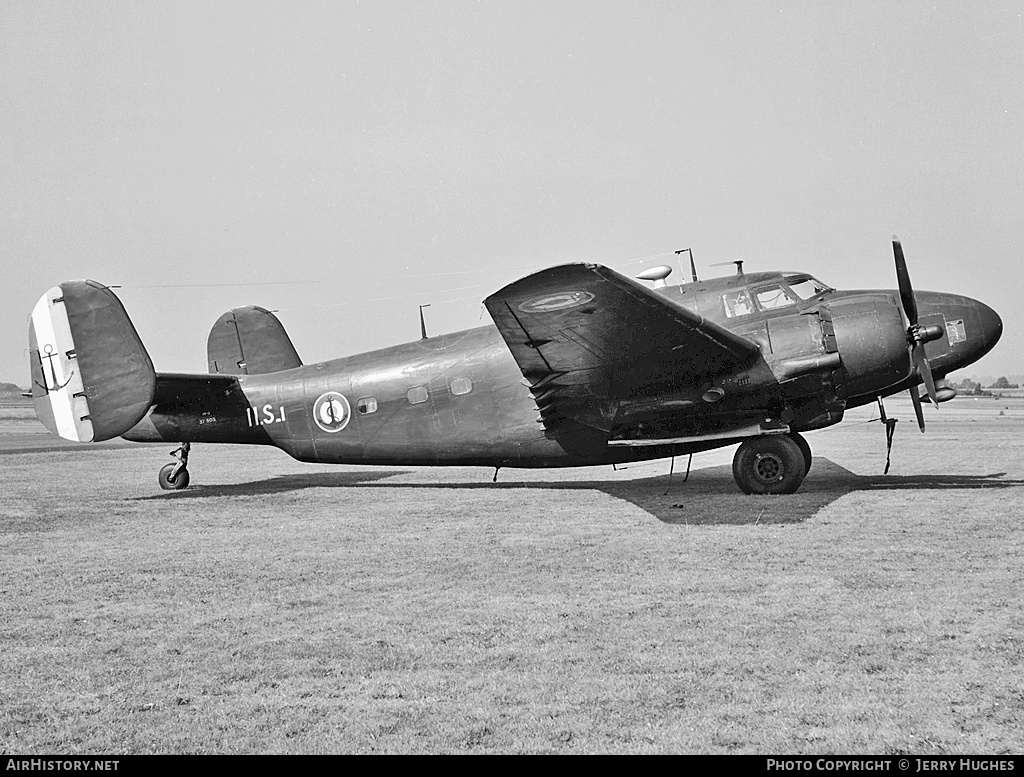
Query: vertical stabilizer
[[91, 376], [250, 341]]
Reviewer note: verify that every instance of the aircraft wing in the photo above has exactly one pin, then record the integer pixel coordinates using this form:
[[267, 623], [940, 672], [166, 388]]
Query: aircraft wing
[[586, 337]]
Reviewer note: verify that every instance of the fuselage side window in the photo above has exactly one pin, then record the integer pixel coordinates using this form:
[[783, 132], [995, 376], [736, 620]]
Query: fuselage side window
[[461, 386], [417, 395], [366, 405], [737, 303]]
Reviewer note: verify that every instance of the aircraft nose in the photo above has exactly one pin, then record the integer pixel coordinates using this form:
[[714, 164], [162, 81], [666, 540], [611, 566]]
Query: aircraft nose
[[991, 325]]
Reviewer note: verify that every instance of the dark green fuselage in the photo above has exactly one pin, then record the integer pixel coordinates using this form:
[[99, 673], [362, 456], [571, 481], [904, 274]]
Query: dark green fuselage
[[461, 398]]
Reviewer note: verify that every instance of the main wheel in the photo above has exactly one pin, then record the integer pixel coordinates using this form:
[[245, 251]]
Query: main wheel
[[773, 464], [179, 481], [805, 449]]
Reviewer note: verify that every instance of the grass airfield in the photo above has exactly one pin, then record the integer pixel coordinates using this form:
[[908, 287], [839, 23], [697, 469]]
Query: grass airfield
[[280, 607]]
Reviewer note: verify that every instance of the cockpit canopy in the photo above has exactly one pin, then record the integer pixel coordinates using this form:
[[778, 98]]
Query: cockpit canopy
[[787, 291]]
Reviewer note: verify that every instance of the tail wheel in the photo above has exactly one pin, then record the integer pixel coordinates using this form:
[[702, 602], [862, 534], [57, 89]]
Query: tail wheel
[[769, 465], [171, 481], [805, 449]]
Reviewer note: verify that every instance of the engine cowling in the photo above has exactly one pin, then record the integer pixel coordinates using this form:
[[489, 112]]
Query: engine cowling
[[872, 340]]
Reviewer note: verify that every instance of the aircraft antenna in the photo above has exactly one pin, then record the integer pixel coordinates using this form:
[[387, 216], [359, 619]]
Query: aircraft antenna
[[693, 267], [423, 325], [737, 262]]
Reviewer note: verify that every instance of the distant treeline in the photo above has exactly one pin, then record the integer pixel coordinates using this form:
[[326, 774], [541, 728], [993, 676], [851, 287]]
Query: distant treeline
[[968, 387], [9, 391]]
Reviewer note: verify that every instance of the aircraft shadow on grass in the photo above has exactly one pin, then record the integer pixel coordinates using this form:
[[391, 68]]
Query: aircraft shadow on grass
[[707, 496], [277, 485]]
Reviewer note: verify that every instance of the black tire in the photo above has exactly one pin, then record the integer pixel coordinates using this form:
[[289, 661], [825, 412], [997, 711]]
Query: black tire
[[769, 465], [179, 482], [805, 449]]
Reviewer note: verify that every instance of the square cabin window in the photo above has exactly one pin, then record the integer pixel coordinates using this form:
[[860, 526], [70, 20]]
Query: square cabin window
[[461, 386], [366, 405], [417, 395]]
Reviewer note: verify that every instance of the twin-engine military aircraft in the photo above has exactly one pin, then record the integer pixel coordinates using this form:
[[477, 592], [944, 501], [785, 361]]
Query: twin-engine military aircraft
[[583, 366]]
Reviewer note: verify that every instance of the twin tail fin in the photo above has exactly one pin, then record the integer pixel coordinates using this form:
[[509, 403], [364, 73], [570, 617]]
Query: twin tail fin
[[92, 378], [250, 341]]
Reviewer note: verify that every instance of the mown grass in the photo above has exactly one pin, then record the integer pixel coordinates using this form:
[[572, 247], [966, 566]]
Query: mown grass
[[282, 607]]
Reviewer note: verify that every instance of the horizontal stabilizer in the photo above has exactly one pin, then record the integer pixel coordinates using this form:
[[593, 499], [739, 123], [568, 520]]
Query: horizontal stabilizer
[[92, 379], [250, 341]]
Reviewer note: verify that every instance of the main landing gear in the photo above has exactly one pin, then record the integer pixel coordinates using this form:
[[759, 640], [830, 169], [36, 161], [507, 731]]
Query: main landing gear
[[774, 464], [174, 477]]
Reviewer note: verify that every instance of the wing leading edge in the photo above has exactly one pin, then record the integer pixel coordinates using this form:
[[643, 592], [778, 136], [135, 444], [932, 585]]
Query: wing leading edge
[[586, 338]]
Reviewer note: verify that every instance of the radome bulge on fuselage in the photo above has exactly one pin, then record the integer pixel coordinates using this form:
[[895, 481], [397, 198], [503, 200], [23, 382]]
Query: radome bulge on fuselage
[[583, 366]]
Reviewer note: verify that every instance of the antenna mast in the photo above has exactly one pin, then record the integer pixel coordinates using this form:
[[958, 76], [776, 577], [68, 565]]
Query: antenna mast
[[423, 325], [693, 267]]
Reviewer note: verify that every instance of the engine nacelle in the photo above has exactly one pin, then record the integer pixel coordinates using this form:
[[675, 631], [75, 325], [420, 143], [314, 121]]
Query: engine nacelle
[[872, 340]]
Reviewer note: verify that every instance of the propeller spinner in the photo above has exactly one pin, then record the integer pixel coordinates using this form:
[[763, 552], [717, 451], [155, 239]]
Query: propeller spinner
[[917, 335]]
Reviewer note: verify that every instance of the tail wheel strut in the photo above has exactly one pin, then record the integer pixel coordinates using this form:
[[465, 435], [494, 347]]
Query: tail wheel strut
[[174, 477]]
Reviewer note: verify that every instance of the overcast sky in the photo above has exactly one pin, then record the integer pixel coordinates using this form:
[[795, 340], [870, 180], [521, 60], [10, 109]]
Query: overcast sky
[[357, 159]]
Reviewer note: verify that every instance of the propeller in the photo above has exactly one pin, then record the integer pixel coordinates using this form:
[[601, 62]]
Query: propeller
[[917, 335]]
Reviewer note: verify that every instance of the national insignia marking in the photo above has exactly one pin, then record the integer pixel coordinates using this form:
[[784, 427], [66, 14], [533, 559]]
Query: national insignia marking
[[561, 300], [332, 412]]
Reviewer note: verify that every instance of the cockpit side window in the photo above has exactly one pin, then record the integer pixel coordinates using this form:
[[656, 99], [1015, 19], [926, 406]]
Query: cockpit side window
[[806, 288], [774, 297], [737, 303]]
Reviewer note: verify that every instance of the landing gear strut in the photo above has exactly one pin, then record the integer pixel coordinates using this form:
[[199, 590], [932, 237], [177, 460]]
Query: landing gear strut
[[174, 477], [774, 464]]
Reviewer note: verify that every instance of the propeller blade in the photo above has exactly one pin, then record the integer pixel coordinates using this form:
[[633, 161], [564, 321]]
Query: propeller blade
[[925, 371], [903, 278], [916, 335], [917, 407]]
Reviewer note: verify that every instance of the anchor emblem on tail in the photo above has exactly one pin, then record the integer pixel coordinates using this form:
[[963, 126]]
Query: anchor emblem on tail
[[45, 385]]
